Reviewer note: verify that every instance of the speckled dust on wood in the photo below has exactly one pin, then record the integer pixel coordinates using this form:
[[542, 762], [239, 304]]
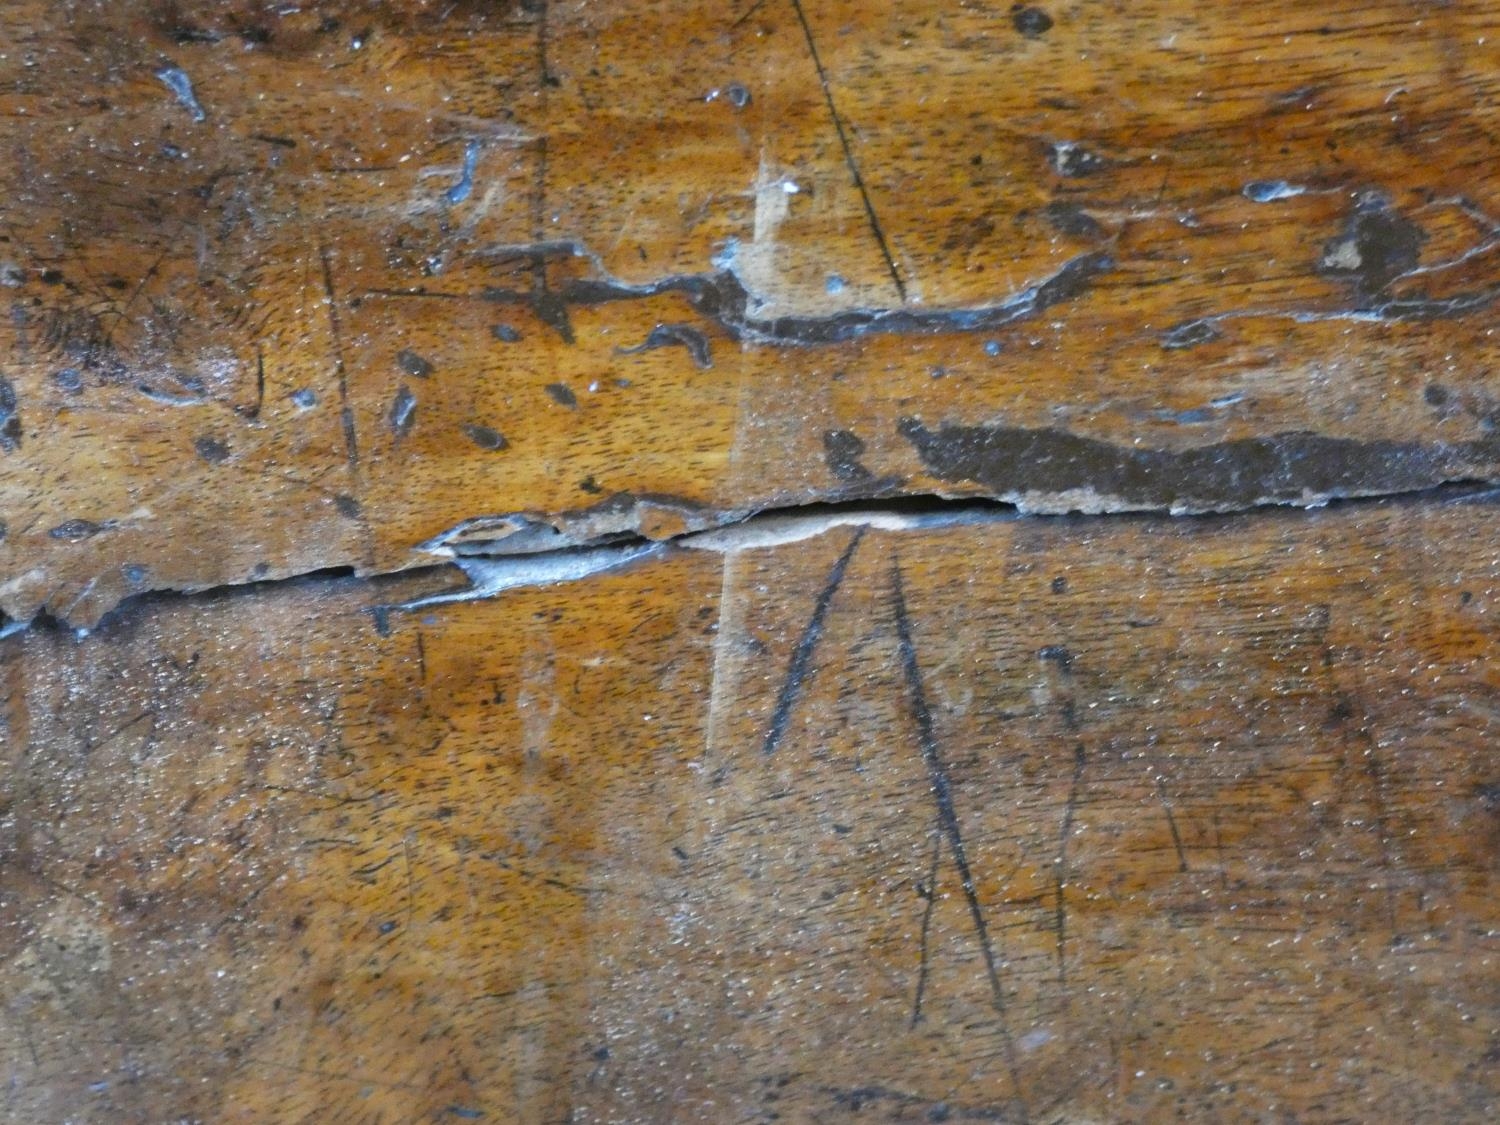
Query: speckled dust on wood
[[790, 559]]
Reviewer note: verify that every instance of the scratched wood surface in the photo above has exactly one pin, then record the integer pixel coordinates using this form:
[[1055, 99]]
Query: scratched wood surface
[[1021, 819], [907, 807], [304, 286]]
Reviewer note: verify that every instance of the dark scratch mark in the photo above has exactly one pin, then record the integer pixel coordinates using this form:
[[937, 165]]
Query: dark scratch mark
[[942, 796], [544, 72], [260, 384], [135, 293], [545, 305], [237, 916], [36, 1060], [928, 891], [1064, 834], [334, 798], [938, 780], [362, 169], [1166, 807], [349, 1076], [415, 292], [90, 745], [351, 445], [859, 182], [807, 644], [368, 871], [747, 13]]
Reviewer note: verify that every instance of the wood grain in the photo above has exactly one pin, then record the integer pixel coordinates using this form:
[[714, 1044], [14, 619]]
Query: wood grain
[[907, 806], [1066, 820], [298, 287]]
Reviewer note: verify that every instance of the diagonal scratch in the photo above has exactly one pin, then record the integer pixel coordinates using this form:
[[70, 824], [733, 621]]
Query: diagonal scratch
[[748, 12], [942, 797], [859, 181], [807, 644], [346, 411], [928, 892], [1166, 807]]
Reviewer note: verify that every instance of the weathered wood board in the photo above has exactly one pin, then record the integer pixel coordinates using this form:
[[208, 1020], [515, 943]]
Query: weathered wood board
[[1031, 819], [295, 287], [888, 802]]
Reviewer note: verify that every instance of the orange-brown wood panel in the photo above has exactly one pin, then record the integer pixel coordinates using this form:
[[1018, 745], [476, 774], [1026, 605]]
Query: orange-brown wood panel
[[1019, 819], [294, 287]]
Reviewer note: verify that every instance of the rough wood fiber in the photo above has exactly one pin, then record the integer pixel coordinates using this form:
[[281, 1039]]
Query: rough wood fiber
[[304, 286], [1049, 820]]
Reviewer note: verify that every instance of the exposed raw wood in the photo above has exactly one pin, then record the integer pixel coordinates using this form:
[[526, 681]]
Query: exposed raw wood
[[1058, 820]]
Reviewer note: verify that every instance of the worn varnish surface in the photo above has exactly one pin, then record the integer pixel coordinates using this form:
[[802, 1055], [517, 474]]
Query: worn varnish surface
[[303, 287], [1052, 820], [927, 809]]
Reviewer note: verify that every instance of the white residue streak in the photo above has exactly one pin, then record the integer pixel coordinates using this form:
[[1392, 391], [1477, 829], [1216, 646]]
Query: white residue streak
[[490, 575]]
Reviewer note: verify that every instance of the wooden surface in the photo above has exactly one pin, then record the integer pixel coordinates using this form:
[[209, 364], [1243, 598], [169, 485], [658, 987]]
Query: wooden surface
[[766, 176], [886, 802], [1066, 821]]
